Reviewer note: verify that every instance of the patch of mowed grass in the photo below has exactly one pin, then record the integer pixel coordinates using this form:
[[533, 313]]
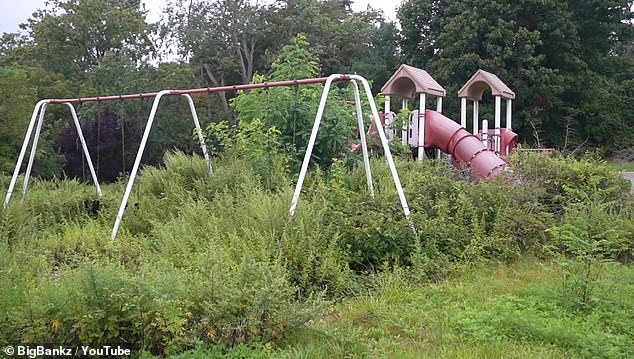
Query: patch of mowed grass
[[498, 311], [621, 166]]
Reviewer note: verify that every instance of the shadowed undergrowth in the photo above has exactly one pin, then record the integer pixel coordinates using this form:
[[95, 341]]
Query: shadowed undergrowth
[[214, 262]]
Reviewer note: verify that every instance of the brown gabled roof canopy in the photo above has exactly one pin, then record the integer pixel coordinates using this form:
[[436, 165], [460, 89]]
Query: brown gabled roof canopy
[[408, 79], [480, 81]]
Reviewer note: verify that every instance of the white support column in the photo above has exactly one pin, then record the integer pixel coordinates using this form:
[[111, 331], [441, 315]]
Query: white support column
[[498, 115], [386, 150], [29, 166], [463, 112], [387, 103], [137, 163], [364, 144], [509, 110], [381, 132], [139, 155], [421, 127], [199, 131], [476, 116], [85, 148], [311, 144], [485, 133], [439, 110], [405, 124], [25, 145]]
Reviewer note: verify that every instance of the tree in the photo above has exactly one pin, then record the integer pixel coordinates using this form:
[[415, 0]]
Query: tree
[[18, 99], [220, 39], [382, 57], [291, 110], [543, 49], [338, 36], [113, 130], [71, 36], [421, 23]]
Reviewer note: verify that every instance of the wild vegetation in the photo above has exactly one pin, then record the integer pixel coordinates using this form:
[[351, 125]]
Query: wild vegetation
[[214, 261], [534, 264], [570, 62]]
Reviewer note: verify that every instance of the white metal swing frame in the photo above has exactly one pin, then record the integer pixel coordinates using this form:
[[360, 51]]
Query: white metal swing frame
[[381, 132], [354, 79], [40, 108]]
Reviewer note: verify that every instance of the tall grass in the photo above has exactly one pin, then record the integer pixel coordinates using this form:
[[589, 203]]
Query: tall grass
[[215, 260]]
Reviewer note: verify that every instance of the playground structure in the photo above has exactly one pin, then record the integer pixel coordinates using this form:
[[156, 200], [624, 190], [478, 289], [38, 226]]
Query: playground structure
[[40, 109], [481, 152], [500, 139]]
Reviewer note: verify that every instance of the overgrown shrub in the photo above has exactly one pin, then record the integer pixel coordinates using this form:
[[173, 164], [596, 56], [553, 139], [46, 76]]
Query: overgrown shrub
[[565, 179], [292, 110], [214, 260]]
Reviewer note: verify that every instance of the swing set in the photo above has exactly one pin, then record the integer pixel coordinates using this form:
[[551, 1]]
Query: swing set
[[40, 109]]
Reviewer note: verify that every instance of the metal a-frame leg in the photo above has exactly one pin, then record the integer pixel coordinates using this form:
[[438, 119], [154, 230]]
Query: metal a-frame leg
[[313, 137], [93, 174], [199, 131], [25, 145], [364, 143]]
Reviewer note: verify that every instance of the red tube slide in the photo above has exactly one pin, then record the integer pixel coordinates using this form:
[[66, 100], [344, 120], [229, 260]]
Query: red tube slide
[[467, 150]]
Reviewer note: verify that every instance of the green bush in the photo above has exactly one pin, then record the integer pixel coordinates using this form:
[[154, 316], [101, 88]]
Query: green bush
[[215, 261], [565, 180]]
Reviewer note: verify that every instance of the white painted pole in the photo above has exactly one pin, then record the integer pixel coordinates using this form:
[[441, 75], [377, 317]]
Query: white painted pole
[[439, 110], [485, 133], [509, 120], [387, 108], [386, 148], [29, 166], [199, 131], [405, 124], [476, 116], [84, 147], [311, 143], [509, 109], [364, 144], [25, 145], [421, 127], [137, 162], [463, 112], [498, 115]]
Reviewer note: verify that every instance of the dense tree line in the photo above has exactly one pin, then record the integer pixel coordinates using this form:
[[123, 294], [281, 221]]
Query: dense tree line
[[570, 62]]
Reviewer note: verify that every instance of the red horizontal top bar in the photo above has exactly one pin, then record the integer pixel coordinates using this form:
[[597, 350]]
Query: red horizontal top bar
[[199, 90]]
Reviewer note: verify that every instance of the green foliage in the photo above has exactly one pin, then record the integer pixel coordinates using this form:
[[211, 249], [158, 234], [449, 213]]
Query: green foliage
[[71, 36], [343, 39], [213, 261], [292, 110], [563, 180], [498, 311], [594, 233], [259, 147], [540, 315], [548, 52], [17, 104]]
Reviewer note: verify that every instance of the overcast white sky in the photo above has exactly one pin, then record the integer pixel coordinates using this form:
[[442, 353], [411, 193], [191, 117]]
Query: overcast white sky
[[14, 12]]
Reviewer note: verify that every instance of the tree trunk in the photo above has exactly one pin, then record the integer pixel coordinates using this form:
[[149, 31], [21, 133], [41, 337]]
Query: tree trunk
[[222, 95]]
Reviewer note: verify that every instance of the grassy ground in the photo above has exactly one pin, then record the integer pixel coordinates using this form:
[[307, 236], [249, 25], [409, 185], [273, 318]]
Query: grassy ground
[[622, 166], [496, 311], [213, 262]]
